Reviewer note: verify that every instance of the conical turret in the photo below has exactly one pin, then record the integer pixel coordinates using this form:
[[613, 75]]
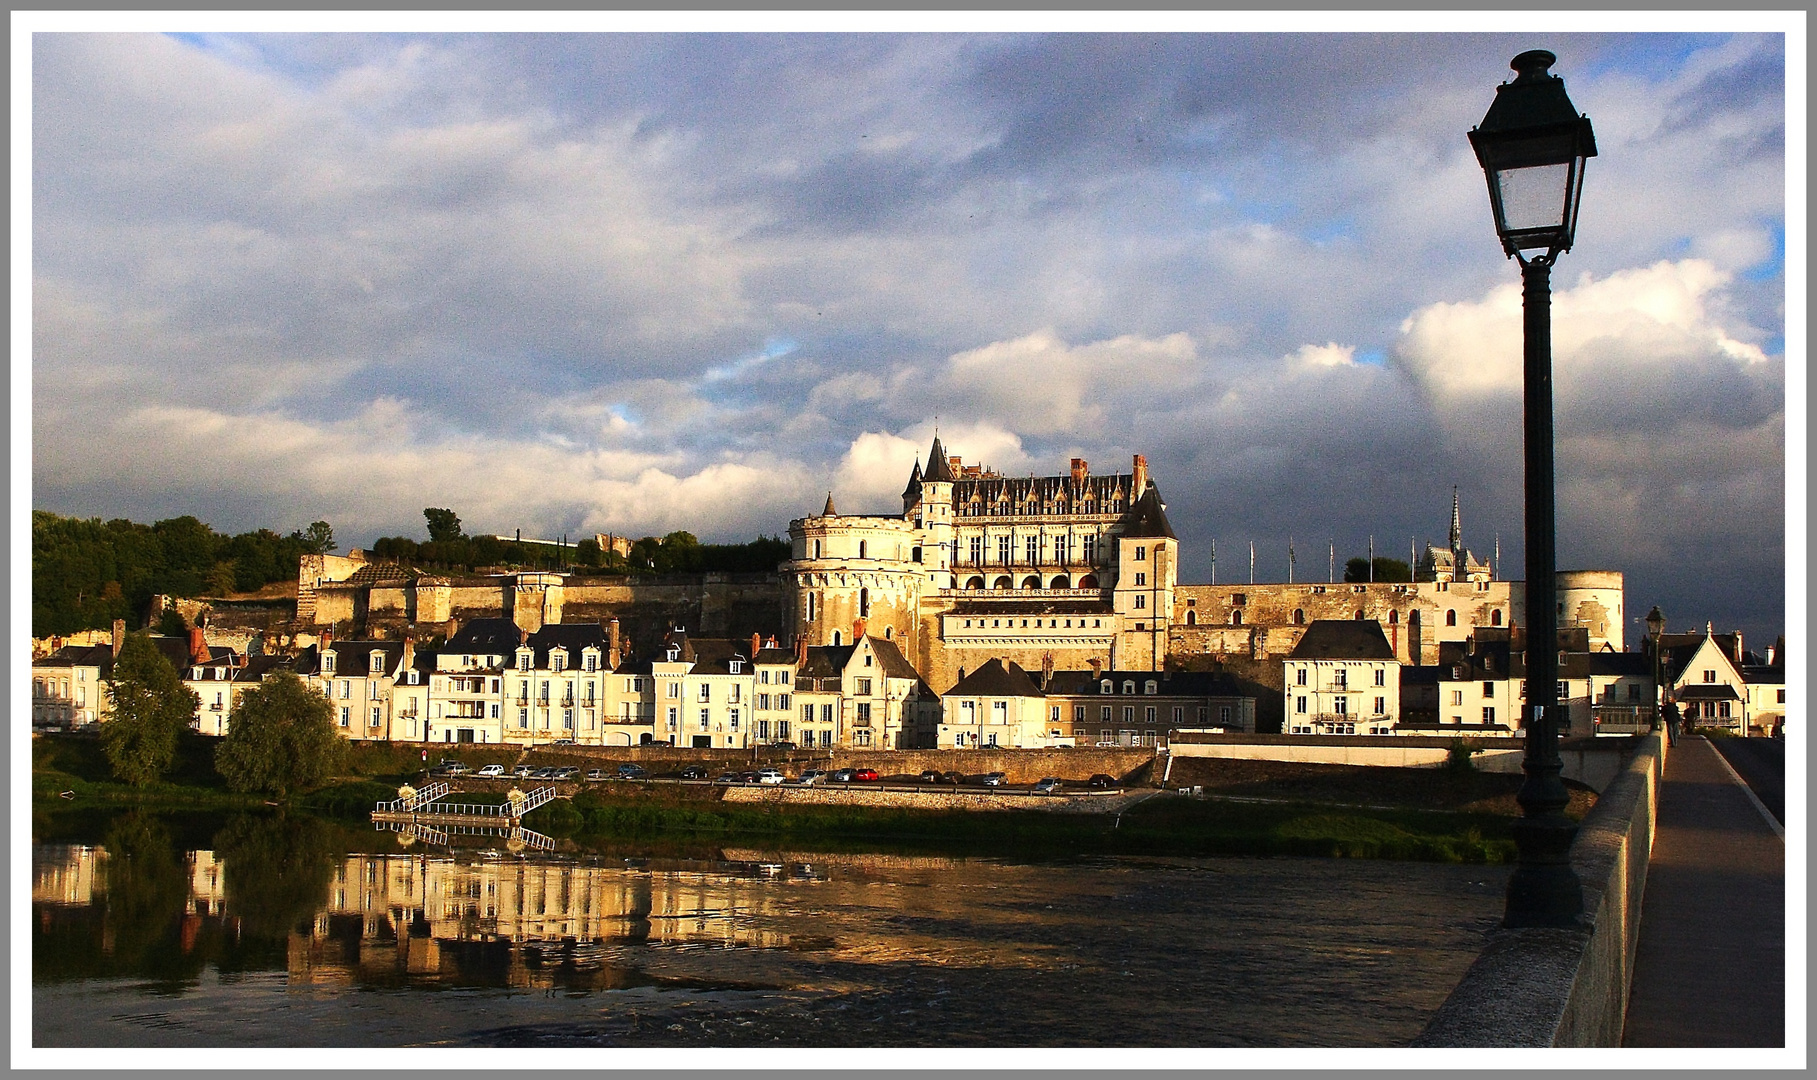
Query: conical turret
[[829, 511]]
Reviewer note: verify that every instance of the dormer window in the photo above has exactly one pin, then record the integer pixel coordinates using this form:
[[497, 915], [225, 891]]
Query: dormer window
[[220, 673], [1105, 688], [523, 661], [735, 666], [674, 653], [376, 662], [195, 673], [592, 661], [327, 664], [558, 661], [1150, 687], [1129, 686]]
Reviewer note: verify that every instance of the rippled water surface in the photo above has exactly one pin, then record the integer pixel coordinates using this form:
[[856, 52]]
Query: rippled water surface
[[276, 934]]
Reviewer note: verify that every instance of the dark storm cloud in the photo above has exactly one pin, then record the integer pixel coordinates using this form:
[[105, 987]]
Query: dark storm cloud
[[656, 281]]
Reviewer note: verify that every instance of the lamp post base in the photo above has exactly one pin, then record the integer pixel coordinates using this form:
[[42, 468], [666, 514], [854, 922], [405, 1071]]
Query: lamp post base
[[1544, 890]]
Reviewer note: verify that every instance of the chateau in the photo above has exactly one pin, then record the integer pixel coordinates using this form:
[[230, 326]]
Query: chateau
[[1058, 571]]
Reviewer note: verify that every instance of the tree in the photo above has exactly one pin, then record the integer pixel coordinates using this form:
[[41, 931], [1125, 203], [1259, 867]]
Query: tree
[[151, 710], [281, 739], [1357, 570], [172, 624], [318, 539], [586, 553], [444, 526]]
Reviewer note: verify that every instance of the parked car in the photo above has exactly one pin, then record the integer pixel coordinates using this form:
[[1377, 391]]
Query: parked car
[[631, 771], [864, 774], [932, 776], [812, 776], [693, 772], [564, 742], [843, 776], [726, 778], [770, 776], [454, 768], [1102, 780], [995, 779], [749, 776], [595, 775], [491, 770], [523, 772], [567, 772], [544, 773], [1047, 785]]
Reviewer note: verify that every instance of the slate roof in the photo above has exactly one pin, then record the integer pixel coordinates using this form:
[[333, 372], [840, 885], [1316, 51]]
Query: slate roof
[[890, 659], [1342, 639], [1763, 673], [574, 637], [827, 661], [355, 657], [71, 656], [774, 656], [633, 666], [938, 470], [1708, 692], [994, 678], [1148, 518], [488, 637]]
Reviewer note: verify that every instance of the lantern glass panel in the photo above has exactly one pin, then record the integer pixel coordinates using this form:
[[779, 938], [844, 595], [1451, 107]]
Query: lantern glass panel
[[1533, 198]]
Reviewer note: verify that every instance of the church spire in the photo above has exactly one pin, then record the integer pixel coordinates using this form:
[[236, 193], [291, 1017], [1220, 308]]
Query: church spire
[[1457, 524], [829, 511]]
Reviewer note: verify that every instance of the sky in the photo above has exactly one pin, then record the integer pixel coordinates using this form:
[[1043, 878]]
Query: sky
[[634, 283]]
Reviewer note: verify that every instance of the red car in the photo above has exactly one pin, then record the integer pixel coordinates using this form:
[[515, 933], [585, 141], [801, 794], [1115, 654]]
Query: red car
[[864, 774]]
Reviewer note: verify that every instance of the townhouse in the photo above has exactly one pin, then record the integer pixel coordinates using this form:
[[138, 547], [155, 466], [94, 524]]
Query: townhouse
[[466, 687], [1342, 678], [556, 688], [1138, 708]]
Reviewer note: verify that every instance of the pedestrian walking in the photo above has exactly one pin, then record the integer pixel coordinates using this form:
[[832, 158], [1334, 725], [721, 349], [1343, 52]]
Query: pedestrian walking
[[1671, 714]]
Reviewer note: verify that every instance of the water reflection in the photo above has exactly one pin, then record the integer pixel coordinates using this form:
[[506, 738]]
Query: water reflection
[[750, 947]]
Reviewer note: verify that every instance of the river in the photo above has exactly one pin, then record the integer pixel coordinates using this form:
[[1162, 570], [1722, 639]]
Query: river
[[152, 931]]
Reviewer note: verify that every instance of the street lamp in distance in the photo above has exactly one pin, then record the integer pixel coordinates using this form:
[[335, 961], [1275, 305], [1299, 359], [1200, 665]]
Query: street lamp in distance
[[1656, 629], [1532, 146]]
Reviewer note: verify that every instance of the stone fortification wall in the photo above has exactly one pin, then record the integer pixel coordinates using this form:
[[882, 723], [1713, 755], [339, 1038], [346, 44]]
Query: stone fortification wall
[[1569, 987], [1129, 764], [1205, 617]]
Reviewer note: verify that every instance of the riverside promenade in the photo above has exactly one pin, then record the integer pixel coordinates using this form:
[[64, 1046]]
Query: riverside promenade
[[1709, 969]]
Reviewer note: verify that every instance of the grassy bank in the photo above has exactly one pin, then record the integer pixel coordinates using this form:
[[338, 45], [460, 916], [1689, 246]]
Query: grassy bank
[[1163, 825], [77, 765]]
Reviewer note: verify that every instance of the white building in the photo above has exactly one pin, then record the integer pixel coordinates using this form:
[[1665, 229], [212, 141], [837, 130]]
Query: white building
[[1342, 679]]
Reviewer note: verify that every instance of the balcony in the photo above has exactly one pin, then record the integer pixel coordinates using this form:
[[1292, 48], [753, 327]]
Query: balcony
[[1622, 719], [1024, 594]]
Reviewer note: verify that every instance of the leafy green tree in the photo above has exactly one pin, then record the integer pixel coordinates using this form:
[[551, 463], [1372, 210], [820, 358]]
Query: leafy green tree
[[444, 526], [172, 624], [223, 579], [587, 553], [318, 539], [151, 710], [281, 738]]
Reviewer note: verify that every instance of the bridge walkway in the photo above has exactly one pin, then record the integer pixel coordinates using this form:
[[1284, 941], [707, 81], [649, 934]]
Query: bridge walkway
[[1710, 963]]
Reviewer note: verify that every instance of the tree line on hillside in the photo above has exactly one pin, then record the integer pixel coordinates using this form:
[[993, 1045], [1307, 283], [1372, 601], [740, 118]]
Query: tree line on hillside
[[677, 553], [86, 573]]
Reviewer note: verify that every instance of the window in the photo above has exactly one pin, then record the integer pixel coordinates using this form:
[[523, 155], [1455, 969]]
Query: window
[[863, 716], [705, 716], [1141, 603], [1633, 691], [1340, 705], [977, 550], [1451, 618], [1709, 675], [1179, 715], [862, 737], [807, 714], [345, 713], [826, 714], [816, 549], [763, 702], [1003, 550], [1141, 555], [1299, 704], [1564, 690], [1129, 714], [1141, 578], [558, 661], [999, 712], [568, 718], [864, 687], [867, 656], [1129, 686], [862, 549], [1053, 715], [706, 692], [808, 614], [1031, 550], [1104, 714], [1078, 714], [1148, 714], [592, 662], [328, 663], [1299, 676], [1457, 697], [1781, 695], [968, 712], [1488, 714], [1340, 678], [1091, 548], [1495, 617], [1488, 689], [1381, 706], [1299, 616], [732, 718]]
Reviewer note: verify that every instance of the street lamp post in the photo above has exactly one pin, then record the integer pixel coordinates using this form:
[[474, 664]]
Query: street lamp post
[[1656, 629], [1532, 145]]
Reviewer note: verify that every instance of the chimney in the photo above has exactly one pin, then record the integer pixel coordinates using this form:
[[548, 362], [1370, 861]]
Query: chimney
[[756, 646], [119, 635], [1140, 482], [1769, 653], [801, 651], [198, 649], [1079, 470], [612, 645], [409, 660], [1047, 669], [857, 631], [1097, 667]]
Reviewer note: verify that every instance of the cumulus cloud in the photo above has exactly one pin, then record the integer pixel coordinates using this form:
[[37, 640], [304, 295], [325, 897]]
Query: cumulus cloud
[[671, 281]]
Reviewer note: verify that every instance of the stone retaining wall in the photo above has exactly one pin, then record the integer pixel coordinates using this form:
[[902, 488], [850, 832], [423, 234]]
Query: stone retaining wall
[[1569, 987], [1062, 803], [1130, 765], [1595, 763]]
